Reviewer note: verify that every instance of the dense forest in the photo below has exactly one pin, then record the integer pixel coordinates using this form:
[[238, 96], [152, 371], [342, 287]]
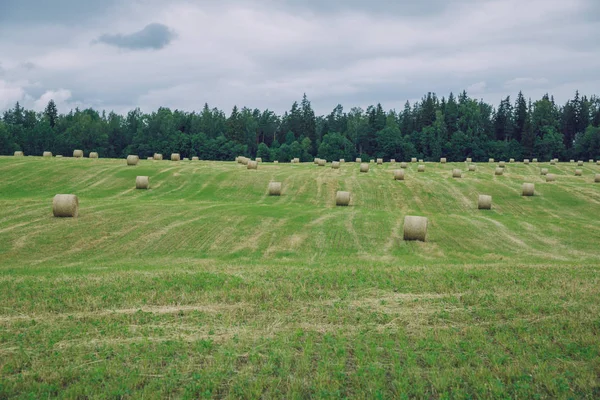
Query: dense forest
[[452, 127]]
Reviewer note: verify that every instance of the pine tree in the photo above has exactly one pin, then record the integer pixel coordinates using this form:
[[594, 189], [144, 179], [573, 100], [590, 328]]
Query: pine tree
[[520, 117], [51, 113]]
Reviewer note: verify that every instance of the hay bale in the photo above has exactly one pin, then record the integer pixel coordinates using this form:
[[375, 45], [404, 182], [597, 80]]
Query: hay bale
[[398, 174], [469, 160], [528, 189], [364, 167], [456, 173], [499, 171], [380, 161], [552, 162], [195, 158], [65, 206], [580, 163], [512, 160], [491, 160], [158, 156], [258, 159], [252, 165], [598, 162], [372, 161], [296, 160], [77, 153], [403, 165], [415, 228], [335, 165], [534, 160], [443, 160], [142, 182], [578, 172], [472, 167], [322, 163], [550, 178], [19, 154], [47, 154], [591, 161], [420, 160], [597, 178], [572, 161], [393, 161], [358, 160], [421, 168], [526, 161], [413, 160], [93, 154], [275, 162], [59, 156], [316, 161], [244, 160], [175, 157], [502, 164], [342, 161], [274, 188], [186, 159], [342, 198], [132, 160], [150, 158], [484, 202], [544, 171]]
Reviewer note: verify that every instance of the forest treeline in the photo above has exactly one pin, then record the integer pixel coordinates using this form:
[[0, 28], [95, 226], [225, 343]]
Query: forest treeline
[[452, 127]]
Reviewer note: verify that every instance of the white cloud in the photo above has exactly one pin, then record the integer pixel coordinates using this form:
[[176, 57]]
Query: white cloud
[[9, 94], [61, 99]]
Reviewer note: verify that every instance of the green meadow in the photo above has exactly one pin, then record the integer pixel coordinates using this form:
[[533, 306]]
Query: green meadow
[[204, 286]]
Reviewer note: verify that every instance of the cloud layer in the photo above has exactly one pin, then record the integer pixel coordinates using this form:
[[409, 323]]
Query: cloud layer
[[267, 53]]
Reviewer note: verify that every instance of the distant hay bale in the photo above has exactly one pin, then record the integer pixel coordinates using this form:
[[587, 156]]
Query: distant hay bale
[[342, 161], [403, 165], [186, 159], [335, 165], [512, 160], [502, 164], [238, 159], [421, 168], [175, 157], [484, 202], [443, 160], [275, 162], [158, 156], [534, 160], [316, 161], [597, 178], [580, 163], [244, 160], [393, 161], [19, 154], [47, 154], [372, 161], [358, 160], [578, 172], [132, 160], [491, 160], [415, 228], [456, 173], [142, 182], [252, 165], [550, 178], [499, 171], [552, 162], [544, 171], [398, 174], [420, 160], [296, 160], [591, 161], [528, 189], [65, 206], [472, 167], [274, 188], [59, 156], [322, 162], [93, 154], [77, 153], [342, 198], [469, 160], [413, 160], [526, 161], [598, 162], [572, 161], [379, 161], [195, 158], [364, 167], [258, 159], [150, 158]]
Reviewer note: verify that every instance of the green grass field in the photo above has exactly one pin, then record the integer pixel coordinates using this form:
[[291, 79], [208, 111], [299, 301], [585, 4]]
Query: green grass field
[[204, 286]]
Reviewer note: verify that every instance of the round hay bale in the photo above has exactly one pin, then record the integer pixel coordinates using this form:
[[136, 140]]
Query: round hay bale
[[77, 153], [195, 158], [403, 165], [244, 160], [484, 202], [469, 160], [175, 157], [528, 189], [59, 156], [393, 161], [150, 158], [93, 154], [456, 173], [580, 163], [322, 162], [499, 171], [526, 161], [597, 178], [420, 160], [275, 162], [47, 154], [19, 154], [258, 159], [364, 167], [252, 165], [512, 160], [296, 160], [472, 167], [534, 160], [342, 161], [578, 172], [65, 206], [502, 164], [591, 161], [379, 161], [415, 228], [158, 156], [572, 161], [544, 171], [552, 162], [132, 160], [342, 198], [550, 178], [142, 182], [413, 160], [186, 159], [598, 162], [421, 168], [372, 161], [238, 159], [358, 160], [335, 165], [316, 161], [443, 160], [398, 174], [491, 160], [274, 188]]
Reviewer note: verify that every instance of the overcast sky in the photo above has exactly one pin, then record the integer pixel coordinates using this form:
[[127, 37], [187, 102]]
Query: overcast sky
[[122, 54]]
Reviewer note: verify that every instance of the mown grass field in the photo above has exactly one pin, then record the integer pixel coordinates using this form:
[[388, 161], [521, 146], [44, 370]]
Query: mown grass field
[[204, 286]]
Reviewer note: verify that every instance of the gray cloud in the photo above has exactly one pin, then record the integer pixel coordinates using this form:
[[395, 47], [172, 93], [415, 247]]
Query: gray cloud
[[153, 36]]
